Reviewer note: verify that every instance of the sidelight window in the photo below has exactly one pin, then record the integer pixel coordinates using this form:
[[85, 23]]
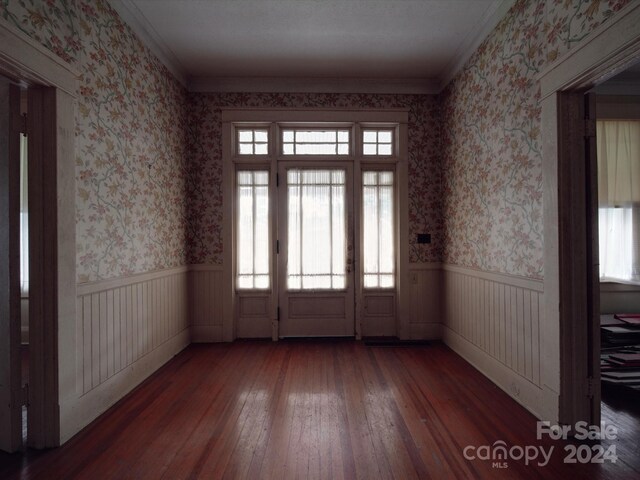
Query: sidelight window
[[378, 252], [253, 230]]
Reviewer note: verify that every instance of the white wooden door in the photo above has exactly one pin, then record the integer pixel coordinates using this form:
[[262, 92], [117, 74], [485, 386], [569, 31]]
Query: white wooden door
[[315, 249], [10, 405]]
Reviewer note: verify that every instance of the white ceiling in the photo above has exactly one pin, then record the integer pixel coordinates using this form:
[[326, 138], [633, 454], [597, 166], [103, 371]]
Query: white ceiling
[[415, 42]]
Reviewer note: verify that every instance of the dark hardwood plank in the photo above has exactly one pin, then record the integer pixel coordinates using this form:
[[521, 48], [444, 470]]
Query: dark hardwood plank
[[316, 410]]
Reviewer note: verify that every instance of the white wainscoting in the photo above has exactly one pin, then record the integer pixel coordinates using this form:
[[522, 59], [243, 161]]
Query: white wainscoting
[[425, 305], [493, 321], [206, 300], [126, 329]]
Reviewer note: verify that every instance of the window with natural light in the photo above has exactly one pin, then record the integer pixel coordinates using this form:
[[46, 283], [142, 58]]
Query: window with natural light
[[316, 229], [253, 230], [377, 207], [315, 142], [377, 142], [619, 199], [253, 141]]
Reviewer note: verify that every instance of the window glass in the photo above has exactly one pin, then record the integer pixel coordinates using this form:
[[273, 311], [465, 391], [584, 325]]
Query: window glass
[[378, 251], [315, 142], [377, 142], [253, 230], [316, 229], [253, 141]]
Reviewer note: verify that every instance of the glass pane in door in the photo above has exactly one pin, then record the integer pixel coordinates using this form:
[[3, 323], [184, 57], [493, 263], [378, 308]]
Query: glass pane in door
[[316, 229]]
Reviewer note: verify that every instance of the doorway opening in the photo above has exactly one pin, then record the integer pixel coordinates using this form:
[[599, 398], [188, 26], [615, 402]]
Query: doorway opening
[[617, 113], [570, 370]]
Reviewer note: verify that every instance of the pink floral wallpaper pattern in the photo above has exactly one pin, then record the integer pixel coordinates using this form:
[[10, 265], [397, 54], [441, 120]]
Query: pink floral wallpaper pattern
[[131, 150], [149, 161], [492, 164], [205, 170]]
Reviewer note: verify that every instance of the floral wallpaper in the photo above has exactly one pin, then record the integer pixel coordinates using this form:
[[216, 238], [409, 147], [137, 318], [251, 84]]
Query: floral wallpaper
[[131, 150], [205, 170], [492, 164], [148, 154]]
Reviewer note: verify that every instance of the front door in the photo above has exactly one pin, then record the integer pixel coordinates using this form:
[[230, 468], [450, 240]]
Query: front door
[[315, 258]]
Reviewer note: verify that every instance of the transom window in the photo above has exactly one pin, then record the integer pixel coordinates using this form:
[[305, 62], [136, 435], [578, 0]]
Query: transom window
[[377, 206], [253, 230], [253, 141], [377, 142], [315, 142]]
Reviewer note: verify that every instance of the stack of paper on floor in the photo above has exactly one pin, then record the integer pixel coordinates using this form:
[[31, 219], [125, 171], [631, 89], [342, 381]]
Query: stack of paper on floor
[[628, 318], [620, 353]]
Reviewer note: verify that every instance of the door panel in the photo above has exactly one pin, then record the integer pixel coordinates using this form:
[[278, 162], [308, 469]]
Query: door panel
[[316, 294]]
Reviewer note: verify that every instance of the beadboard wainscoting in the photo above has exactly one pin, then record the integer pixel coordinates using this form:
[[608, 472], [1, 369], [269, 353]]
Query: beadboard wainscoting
[[206, 290], [493, 321], [425, 301], [126, 328]]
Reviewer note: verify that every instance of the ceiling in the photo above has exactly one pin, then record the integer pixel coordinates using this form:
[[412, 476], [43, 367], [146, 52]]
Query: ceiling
[[626, 82], [209, 44]]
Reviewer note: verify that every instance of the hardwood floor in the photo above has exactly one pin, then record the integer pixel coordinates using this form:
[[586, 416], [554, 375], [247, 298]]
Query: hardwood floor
[[313, 409]]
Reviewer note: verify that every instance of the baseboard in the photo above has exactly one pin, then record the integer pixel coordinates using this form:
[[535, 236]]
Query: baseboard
[[517, 387], [76, 413], [206, 333], [425, 331]]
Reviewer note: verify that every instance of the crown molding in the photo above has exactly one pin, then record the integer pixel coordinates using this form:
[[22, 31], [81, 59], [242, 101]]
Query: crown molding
[[473, 40], [133, 17], [314, 85]]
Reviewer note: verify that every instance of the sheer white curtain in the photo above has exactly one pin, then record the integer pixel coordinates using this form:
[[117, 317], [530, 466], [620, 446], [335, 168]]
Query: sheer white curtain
[[377, 207], [316, 229], [253, 230], [619, 199], [24, 219]]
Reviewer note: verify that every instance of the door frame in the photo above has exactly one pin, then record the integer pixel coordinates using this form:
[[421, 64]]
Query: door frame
[[10, 358], [568, 390], [52, 336], [274, 118]]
